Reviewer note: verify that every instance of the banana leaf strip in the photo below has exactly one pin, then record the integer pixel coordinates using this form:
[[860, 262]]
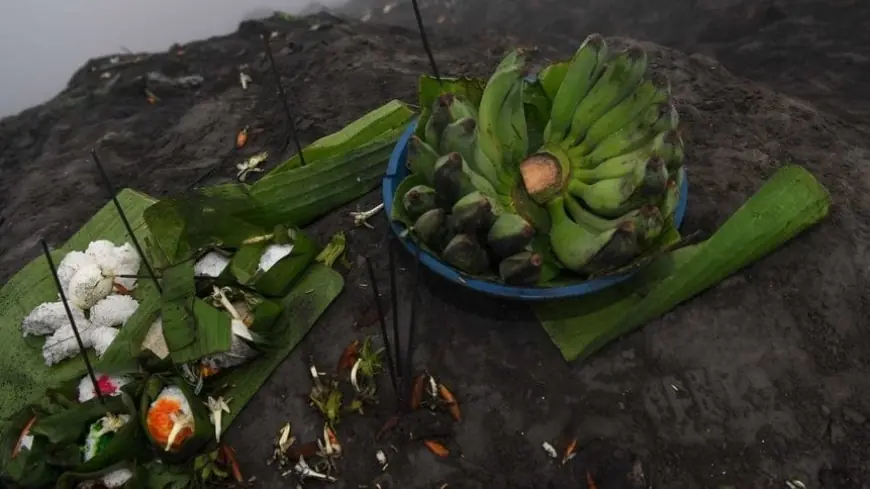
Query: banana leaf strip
[[385, 119], [787, 204]]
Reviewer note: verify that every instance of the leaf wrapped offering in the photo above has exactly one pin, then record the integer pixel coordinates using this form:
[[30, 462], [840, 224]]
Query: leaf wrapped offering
[[271, 264], [175, 421]]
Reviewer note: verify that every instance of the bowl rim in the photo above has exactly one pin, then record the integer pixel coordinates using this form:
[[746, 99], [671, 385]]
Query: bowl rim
[[396, 172]]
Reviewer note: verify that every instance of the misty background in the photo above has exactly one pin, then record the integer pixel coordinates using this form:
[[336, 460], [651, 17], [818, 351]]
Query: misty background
[[42, 42]]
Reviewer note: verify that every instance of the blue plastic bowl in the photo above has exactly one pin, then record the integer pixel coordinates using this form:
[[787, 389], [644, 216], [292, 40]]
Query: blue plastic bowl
[[397, 170]]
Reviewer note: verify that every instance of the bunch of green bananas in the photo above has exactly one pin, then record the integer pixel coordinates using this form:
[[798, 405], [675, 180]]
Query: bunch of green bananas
[[601, 187]]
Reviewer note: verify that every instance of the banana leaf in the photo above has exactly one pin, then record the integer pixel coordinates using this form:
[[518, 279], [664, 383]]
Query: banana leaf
[[123, 354], [299, 196], [128, 444], [183, 226], [139, 479], [28, 468], [308, 300], [71, 425], [787, 204], [162, 476], [23, 374], [202, 429], [191, 327], [278, 280], [386, 118], [429, 89], [227, 215]]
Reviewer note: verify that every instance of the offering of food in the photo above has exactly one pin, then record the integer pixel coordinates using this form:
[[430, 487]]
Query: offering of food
[[170, 421], [597, 174]]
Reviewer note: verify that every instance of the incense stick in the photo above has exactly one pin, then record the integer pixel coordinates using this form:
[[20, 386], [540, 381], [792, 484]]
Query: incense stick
[[111, 189], [425, 40], [72, 321], [394, 302], [391, 365], [412, 322], [283, 97]]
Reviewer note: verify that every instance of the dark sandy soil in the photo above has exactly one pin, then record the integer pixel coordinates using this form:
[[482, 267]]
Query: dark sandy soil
[[762, 380]]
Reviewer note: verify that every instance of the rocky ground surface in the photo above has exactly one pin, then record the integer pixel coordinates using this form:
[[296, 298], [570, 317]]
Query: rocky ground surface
[[760, 381]]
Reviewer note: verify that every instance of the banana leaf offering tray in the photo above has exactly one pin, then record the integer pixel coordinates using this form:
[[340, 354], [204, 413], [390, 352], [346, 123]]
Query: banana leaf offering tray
[[548, 186], [176, 354]]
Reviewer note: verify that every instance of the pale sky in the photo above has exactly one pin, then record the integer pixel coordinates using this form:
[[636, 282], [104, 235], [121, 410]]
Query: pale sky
[[42, 42]]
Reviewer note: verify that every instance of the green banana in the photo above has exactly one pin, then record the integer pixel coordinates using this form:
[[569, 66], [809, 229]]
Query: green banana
[[421, 158], [418, 200], [649, 223], [466, 254], [473, 213], [648, 220], [579, 248], [610, 197], [655, 180], [430, 228], [635, 135], [512, 132], [459, 136], [668, 120], [592, 222], [622, 247], [489, 114], [585, 66], [613, 168], [621, 77], [449, 180], [523, 268], [622, 114], [438, 120], [458, 107], [509, 234]]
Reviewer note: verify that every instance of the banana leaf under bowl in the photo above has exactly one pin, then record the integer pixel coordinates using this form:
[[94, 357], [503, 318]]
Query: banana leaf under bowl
[[397, 171]]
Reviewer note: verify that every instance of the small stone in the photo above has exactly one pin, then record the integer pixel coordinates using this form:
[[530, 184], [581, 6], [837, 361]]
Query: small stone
[[853, 416], [838, 433], [826, 411]]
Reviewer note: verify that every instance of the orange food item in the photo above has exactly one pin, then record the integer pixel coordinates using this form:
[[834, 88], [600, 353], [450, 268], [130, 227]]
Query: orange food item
[[437, 448], [160, 422], [590, 482], [242, 138], [452, 404], [417, 392]]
